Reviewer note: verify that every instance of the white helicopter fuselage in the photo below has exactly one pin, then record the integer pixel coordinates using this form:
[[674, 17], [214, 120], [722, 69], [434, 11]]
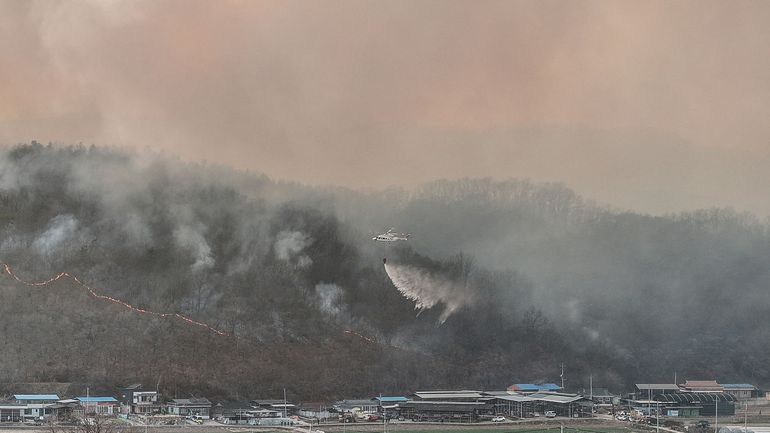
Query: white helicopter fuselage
[[389, 238]]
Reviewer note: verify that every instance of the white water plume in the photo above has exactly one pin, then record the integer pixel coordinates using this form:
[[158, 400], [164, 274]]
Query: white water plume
[[427, 290]]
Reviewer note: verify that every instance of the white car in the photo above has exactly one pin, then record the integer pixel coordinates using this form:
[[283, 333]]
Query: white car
[[550, 414], [498, 419]]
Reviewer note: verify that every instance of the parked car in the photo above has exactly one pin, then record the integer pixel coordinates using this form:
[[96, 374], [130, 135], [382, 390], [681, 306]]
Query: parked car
[[550, 414], [498, 419]]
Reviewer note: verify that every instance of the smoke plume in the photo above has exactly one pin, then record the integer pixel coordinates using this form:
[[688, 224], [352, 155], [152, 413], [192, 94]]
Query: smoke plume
[[191, 239], [328, 298], [61, 229], [288, 246]]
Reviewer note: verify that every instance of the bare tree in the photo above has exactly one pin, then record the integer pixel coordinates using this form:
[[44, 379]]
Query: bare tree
[[95, 423]]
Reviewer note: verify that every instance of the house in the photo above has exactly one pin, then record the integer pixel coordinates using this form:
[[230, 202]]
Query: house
[[647, 390], [66, 410], [279, 406], [317, 410], [389, 405], [233, 412], [190, 407], [99, 405], [35, 406], [11, 411], [601, 396], [740, 391], [356, 405], [702, 386], [139, 400]]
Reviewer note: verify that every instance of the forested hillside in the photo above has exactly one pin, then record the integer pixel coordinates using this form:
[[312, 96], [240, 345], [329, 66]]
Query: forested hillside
[[521, 278]]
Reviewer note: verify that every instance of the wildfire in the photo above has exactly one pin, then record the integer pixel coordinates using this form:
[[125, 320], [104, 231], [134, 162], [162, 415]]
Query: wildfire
[[94, 293], [363, 337]]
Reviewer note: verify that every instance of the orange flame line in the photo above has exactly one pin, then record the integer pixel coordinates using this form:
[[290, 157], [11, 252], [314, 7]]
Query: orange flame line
[[94, 293], [363, 337]]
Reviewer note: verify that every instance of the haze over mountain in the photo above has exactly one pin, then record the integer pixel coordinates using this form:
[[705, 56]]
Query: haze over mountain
[[510, 278], [651, 106]]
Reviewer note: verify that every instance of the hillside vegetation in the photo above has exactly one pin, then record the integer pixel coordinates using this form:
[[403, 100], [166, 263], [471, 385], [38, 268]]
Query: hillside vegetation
[[538, 275]]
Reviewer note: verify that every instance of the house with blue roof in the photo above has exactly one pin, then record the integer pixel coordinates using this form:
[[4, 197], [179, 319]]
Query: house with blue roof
[[99, 405], [30, 406], [389, 403]]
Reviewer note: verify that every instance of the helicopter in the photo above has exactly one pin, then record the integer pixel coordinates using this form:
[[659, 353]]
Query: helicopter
[[391, 236]]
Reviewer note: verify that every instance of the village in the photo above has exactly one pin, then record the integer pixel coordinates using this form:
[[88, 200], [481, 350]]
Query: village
[[691, 405]]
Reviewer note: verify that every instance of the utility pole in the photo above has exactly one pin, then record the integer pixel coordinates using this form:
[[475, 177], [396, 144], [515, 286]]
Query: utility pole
[[745, 418], [716, 413], [562, 377], [384, 418]]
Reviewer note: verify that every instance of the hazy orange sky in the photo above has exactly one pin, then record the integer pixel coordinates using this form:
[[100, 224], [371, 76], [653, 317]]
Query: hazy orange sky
[[654, 106]]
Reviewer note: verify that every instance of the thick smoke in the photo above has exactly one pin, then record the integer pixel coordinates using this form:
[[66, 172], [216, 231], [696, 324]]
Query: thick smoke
[[328, 298], [428, 290], [289, 246], [61, 230], [191, 239]]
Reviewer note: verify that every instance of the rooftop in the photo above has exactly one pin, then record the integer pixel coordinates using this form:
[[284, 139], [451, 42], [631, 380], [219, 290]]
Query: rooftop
[[97, 399], [385, 399], [534, 387], [550, 397], [653, 386], [356, 401], [191, 402], [53, 397], [738, 386], [694, 397], [702, 383], [601, 392], [443, 395], [557, 398]]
